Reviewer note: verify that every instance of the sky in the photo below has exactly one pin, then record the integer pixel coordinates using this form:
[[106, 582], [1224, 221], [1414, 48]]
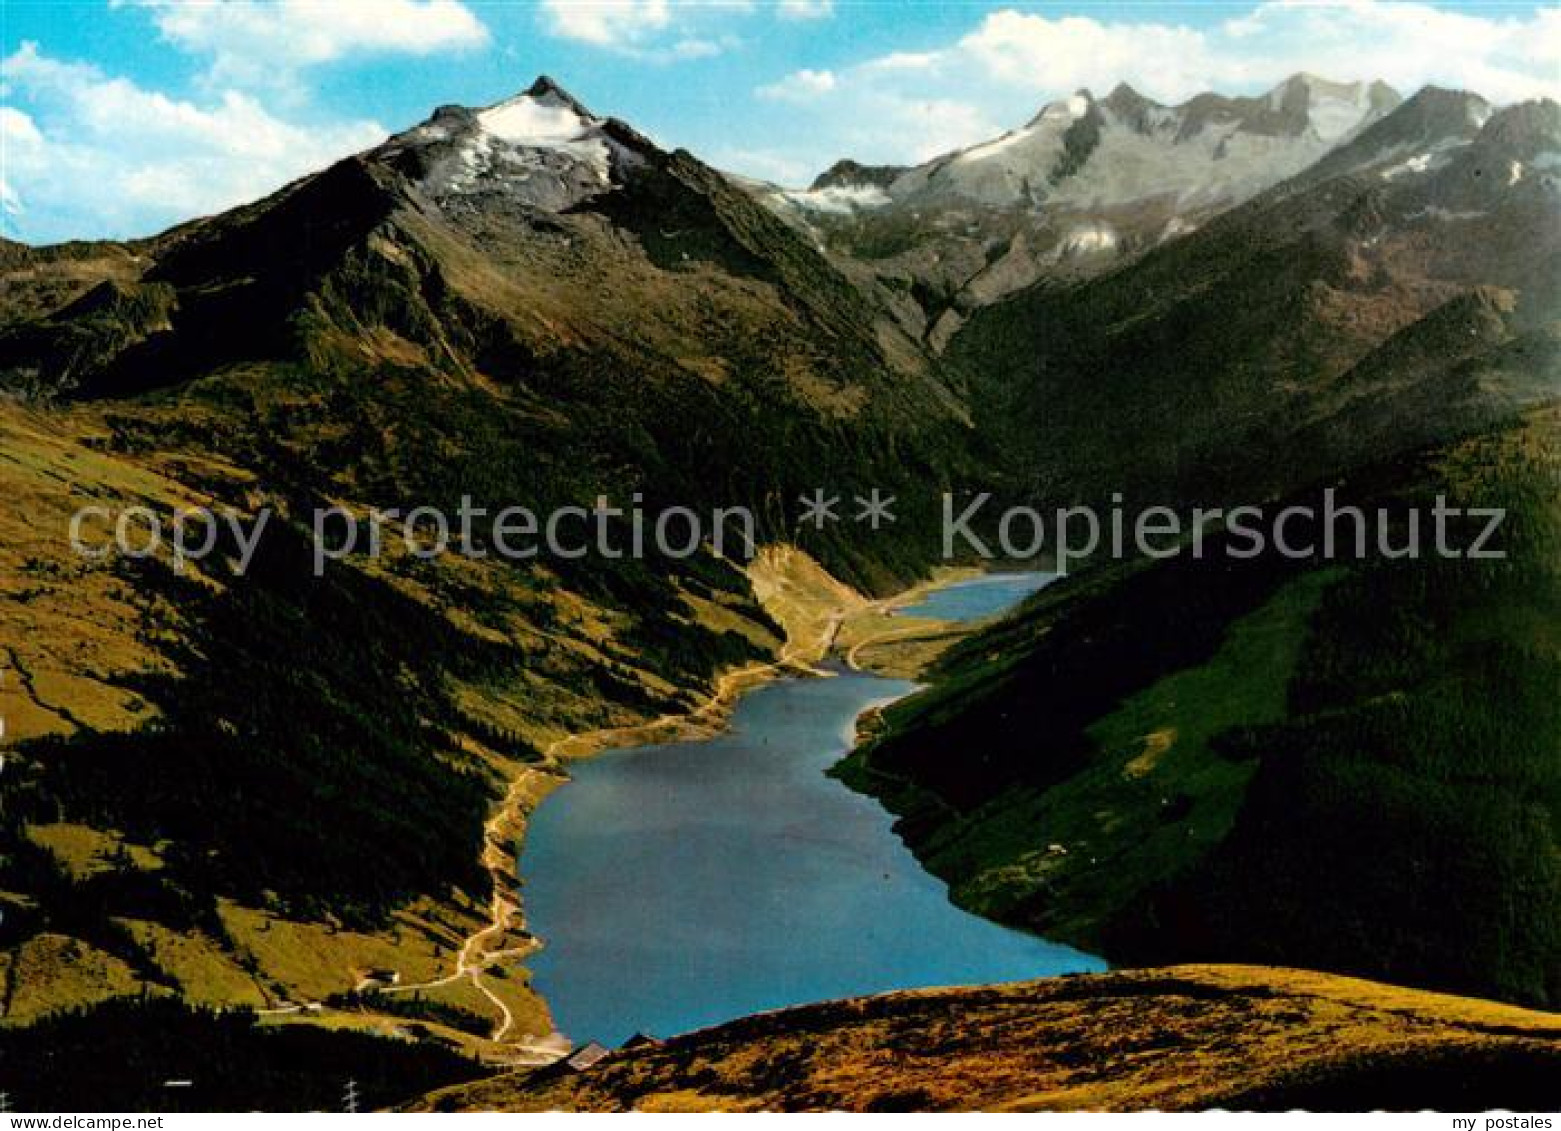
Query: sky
[[119, 118]]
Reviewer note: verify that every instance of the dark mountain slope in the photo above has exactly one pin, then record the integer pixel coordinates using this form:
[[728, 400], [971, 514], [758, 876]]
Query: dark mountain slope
[[1427, 128], [1304, 762], [522, 305], [1139, 762], [1189, 373], [634, 292]]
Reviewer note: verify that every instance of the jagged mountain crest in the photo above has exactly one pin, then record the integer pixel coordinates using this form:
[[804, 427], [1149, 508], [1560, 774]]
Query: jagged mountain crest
[[847, 173], [1131, 107], [1090, 183], [1515, 159], [1456, 156], [542, 148], [1421, 130], [1214, 148], [1301, 104], [547, 90], [535, 218], [1527, 130]]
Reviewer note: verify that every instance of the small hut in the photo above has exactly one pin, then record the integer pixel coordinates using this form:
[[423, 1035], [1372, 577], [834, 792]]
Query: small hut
[[586, 1056]]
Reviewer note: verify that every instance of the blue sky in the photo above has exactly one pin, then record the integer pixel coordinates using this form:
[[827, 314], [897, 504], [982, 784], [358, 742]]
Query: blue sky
[[119, 118]]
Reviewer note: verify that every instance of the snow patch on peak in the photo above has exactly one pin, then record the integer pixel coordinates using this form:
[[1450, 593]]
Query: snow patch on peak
[[1419, 163], [1088, 239], [427, 133], [1331, 111], [993, 148], [534, 122], [534, 125], [1333, 116], [1069, 109], [1446, 215], [840, 200]]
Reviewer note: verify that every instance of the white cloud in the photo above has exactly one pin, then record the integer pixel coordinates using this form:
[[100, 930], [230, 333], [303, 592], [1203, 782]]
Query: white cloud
[[10, 202], [619, 24], [18, 129], [900, 61], [651, 31], [1507, 57], [1058, 56], [266, 42], [897, 106], [799, 86], [1406, 44], [805, 9], [693, 48], [96, 155]]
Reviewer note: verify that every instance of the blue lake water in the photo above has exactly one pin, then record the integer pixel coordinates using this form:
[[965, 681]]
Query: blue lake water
[[682, 885], [977, 598]]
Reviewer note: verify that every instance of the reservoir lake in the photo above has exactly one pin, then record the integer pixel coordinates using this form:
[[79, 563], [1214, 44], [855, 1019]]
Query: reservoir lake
[[678, 886]]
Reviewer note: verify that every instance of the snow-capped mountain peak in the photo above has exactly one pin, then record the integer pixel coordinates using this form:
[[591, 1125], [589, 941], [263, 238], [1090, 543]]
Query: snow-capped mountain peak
[[1330, 110], [1211, 150], [1127, 148], [538, 120], [1064, 110], [540, 148], [1085, 182], [1421, 135]]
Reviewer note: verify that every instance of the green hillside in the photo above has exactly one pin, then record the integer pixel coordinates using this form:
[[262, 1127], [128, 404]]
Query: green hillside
[[1337, 765]]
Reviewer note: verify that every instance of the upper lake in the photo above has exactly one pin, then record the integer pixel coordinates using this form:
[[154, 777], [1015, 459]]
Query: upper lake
[[979, 597], [681, 885]]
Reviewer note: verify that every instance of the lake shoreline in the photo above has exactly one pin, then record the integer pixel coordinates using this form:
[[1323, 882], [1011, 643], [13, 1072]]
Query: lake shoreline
[[675, 888], [506, 936], [813, 607]]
